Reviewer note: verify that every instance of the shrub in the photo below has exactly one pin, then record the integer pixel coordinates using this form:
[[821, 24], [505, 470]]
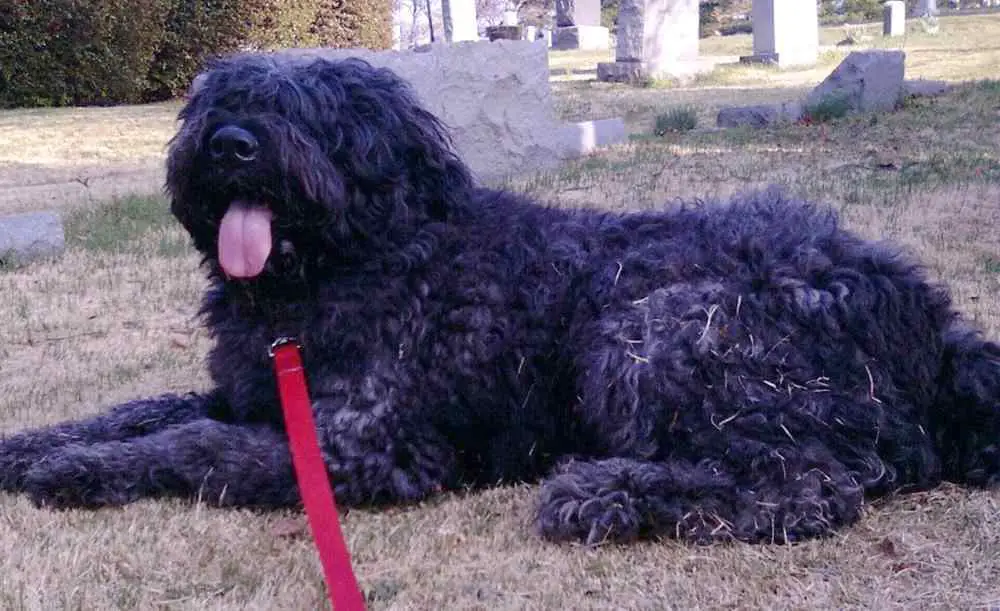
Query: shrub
[[197, 31], [193, 32], [60, 52], [78, 52], [680, 119], [827, 109], [354, 23]]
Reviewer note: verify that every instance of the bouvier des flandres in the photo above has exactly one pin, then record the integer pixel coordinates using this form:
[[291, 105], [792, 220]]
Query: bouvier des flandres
[[743, 370]]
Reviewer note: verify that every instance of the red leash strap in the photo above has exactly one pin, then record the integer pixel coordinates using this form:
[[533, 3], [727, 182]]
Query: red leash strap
[[314, 483]]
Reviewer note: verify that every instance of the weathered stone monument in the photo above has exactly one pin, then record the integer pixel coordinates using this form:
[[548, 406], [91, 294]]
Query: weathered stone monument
[[894, 18], [867, 81], [656, 39], [459, 17], [495, 99], [30, 236], [785, 32], [578, 26]]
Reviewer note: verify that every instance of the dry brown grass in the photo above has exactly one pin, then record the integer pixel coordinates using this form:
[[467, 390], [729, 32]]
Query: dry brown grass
[[114, 319]]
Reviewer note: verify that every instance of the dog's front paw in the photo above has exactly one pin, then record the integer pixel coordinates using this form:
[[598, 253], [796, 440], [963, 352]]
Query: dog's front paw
[[575, 510], [69, 478], [17, 455]]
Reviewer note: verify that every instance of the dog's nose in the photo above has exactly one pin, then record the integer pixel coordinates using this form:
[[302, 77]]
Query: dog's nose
[[233, 143]]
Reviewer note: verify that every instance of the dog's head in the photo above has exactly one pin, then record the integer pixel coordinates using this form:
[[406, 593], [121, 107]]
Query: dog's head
[[280, 165]]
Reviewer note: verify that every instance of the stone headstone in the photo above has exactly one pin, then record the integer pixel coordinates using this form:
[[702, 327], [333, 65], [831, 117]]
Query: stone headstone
[[578, 12], [578, 26], [530, 32], [459, 17], [584, 137], [894, 18], [547, 37], [656, 39], [868, 81], [31, 236], [927, 8], [785, 32], [495, 99]]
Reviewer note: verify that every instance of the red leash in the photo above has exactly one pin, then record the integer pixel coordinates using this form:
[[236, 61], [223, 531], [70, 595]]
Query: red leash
[[314, 483]]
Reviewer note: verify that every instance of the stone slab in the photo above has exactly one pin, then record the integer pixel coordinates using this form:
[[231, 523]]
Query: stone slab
[[918, 88], [761, 115], [638, 72], [30, 236], [587, 136]]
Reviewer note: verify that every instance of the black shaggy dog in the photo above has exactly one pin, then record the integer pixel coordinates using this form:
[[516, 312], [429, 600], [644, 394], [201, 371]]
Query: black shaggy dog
[[743, 371]]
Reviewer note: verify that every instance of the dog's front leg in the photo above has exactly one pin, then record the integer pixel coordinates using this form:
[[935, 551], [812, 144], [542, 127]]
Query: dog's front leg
[[379, 453], [220, 463], [21, 451], [371, 458]]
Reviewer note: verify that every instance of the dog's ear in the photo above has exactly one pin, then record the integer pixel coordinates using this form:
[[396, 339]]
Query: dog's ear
[[395, 151]]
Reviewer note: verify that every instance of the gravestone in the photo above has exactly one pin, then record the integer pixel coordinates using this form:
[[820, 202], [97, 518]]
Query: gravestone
[[495, 99], [578, 26], [27, 237], [459, 17], [503, 32], [656, 39], [759, 115], [785, 32], [866, 81], [894, 18]]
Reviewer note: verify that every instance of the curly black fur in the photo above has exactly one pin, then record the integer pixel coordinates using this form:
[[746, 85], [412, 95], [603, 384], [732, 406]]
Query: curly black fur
[[743, 370]]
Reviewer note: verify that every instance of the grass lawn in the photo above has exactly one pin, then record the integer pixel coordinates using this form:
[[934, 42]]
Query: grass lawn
[[114, 319]]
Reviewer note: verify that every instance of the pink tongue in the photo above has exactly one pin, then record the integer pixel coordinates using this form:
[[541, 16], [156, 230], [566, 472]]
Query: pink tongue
[[244, 239]]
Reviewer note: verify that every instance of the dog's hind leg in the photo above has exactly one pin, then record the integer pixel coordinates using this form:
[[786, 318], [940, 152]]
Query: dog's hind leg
[[966, 417], [220, 463], [623, 499], [133, 419]]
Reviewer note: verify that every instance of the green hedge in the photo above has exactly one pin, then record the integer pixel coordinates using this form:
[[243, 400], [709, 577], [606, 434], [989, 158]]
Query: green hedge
[[85, 52], [60, 52]]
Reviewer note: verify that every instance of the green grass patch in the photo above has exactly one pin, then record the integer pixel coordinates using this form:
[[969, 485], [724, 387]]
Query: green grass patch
[[111, 226], [679, 119]]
